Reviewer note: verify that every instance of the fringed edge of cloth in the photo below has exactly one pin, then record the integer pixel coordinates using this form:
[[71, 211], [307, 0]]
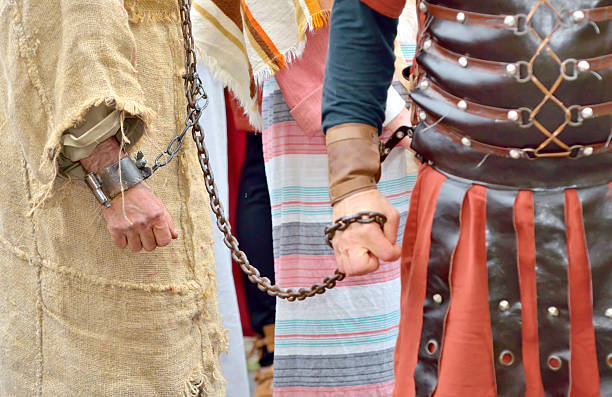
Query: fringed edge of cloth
[[269, 65], [249, 105], [309, 24]]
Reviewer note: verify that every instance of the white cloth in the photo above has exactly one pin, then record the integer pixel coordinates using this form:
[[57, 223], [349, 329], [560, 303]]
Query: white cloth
[[214, 126], [395, 104]]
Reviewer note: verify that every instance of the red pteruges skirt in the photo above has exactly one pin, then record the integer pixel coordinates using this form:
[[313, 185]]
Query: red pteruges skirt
[[505, 292]]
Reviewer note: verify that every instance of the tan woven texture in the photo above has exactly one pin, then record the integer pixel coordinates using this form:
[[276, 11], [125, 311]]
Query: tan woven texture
[[79, 317]]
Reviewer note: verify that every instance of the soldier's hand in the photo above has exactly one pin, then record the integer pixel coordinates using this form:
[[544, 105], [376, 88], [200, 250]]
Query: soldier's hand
[[359, 248], [139, 220]]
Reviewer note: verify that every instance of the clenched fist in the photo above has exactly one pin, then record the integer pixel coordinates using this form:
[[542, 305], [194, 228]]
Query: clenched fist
[[145, 224], [359, 247], [138, 219]]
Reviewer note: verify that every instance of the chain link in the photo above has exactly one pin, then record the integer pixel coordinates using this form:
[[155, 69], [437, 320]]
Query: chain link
[[195, 94], [344, 222]]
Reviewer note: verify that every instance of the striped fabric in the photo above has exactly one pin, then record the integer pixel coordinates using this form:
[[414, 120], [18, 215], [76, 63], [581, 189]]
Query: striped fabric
[[244, 42], [340, 343]]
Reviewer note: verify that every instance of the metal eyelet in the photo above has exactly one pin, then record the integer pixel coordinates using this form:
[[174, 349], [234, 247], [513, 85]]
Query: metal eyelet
[[524, 72], [573, 63], [530, 154], [554, 363], [506, 358], [520, 27], [575, 152], [573, 116], [524, 120], [431, 347]]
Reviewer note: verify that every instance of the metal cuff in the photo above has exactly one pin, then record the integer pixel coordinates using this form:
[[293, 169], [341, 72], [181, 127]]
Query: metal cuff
[[109, 182]]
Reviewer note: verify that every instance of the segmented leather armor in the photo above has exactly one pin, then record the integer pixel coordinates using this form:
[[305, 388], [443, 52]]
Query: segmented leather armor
[[518, 79]]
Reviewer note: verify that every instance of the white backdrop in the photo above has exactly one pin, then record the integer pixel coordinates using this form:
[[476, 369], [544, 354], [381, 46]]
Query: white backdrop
[[214, 125]]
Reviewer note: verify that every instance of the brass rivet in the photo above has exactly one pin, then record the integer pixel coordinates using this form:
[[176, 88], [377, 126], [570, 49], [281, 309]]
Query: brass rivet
[[553, 311], [437, 298], [578, 16], [463, 62], [511, 69], [513, 115], [460, 17], [510, 21], [584, 66], [504, 305]]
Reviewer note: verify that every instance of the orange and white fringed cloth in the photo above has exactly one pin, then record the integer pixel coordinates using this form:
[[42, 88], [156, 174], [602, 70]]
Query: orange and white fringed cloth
[[245, 42]]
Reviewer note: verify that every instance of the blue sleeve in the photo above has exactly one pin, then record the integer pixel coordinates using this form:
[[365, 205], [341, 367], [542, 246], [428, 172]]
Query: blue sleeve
[[359, 65]]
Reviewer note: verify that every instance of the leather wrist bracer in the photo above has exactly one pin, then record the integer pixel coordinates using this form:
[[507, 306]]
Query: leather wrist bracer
[[353, 159]]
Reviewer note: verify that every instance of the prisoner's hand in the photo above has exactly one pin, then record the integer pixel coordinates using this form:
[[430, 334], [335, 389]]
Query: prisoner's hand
[[359, 248], [139, 220]]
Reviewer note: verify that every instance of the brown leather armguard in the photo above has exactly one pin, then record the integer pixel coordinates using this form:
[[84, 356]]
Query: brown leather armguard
[[354, 159]]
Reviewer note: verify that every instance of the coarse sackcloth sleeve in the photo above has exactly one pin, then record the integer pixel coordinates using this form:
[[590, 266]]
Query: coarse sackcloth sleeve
[[63, 59]]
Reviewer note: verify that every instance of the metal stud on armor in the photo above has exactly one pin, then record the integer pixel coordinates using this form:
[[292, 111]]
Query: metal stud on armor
[[517, 95]]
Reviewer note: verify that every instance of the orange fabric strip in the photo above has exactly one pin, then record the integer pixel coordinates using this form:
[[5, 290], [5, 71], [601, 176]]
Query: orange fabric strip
[[525, 231], [415, 256], [583, 365], [262, 38], [466, 365]]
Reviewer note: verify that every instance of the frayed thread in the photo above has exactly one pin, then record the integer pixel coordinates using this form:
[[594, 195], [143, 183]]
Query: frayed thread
[[137, 15], [312, 23], [271, 67], [52, 150], [200, 383], [250, 106]]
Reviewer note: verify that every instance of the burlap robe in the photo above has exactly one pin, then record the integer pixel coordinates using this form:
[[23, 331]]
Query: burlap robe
[[79, 317]]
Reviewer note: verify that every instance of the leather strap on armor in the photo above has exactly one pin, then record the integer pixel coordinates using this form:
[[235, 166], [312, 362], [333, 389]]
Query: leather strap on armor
[[523, 80]]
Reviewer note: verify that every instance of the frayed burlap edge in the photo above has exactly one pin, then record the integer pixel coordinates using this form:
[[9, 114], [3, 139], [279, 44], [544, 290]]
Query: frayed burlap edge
[[49, 160]]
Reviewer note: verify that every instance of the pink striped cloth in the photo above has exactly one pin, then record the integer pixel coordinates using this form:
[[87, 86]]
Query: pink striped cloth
[[340, 343]]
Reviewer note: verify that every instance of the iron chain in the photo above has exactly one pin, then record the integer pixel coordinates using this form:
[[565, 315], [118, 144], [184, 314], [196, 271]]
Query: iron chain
[[195, 94], [344, 222]]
